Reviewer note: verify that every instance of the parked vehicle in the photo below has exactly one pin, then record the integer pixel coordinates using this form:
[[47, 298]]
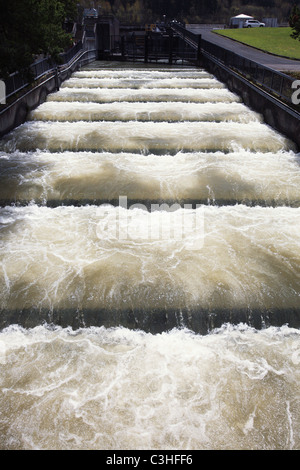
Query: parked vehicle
[[253, 24]]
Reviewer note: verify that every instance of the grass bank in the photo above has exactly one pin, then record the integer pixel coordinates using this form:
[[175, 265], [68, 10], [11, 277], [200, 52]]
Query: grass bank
[[273, 40]]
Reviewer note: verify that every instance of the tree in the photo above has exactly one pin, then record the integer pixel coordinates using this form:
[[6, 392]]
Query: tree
[[32, 27], [294, 22]]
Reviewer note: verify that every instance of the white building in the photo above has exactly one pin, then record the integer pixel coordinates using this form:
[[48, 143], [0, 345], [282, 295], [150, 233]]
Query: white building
[[238, 21]]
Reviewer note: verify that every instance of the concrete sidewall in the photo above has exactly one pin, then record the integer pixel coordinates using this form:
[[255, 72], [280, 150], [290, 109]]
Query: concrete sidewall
[[16, 114], [277, 115]]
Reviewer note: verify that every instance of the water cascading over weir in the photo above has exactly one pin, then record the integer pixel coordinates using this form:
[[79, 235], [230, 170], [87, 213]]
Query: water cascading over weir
[[148, 197], [149, 265]]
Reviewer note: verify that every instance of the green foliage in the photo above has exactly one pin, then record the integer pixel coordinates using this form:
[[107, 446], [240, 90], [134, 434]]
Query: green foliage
[[32, 27], [295, 22], [192, 11], [274, 40]]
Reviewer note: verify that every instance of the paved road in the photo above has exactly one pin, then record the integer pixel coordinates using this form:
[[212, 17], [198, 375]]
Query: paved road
[[269, 60]]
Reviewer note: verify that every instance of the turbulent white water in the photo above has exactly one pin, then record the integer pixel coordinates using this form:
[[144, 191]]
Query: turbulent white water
[[139, 73], [138, 83], [139, 204], [143, 137], [174, 112], [99, 256], [110, 95], [199, 176], [236, 388]]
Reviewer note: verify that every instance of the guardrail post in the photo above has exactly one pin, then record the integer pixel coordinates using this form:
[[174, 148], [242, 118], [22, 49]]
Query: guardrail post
[[199, 55], [281, 86], [56, 79], [146, 47], [272, 81], [123, 47]]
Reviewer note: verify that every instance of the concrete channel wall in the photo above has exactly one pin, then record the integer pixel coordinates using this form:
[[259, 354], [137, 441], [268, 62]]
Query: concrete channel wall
[[276, 114], [16, 113], [279, 116]]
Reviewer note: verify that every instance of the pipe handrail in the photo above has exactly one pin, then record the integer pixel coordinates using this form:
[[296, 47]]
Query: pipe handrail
[[274, 81]]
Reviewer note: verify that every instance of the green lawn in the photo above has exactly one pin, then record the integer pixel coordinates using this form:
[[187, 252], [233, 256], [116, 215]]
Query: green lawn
[[274, 40]]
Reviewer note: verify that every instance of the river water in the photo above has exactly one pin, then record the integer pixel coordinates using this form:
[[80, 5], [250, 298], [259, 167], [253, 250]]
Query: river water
[[149, 264]]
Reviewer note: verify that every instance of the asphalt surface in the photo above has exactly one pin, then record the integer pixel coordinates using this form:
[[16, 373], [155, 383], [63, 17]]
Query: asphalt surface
[[269, 60]]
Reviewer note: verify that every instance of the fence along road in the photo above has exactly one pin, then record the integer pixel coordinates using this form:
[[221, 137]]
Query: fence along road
[[249, 62], [268, 60]]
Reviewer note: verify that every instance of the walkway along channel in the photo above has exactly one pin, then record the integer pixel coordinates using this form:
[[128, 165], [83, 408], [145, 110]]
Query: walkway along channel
[[264, 89], [47, 80], [267, 91]]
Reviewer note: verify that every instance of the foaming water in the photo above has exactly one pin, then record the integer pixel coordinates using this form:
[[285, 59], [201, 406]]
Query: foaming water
[[142, 83], [108, 95], [114, 258], [144, 137], [241, 176], [140, 73], [174, 112], [179, 298], [100, 388]]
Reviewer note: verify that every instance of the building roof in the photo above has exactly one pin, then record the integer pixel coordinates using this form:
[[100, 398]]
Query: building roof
[[242, 17]]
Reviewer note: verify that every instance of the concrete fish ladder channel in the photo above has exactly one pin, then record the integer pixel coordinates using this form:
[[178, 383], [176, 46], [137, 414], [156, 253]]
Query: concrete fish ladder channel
[[210, 229], [149, 267]]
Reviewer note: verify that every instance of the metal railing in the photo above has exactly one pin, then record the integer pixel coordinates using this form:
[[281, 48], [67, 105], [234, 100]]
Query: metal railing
[[277, 83], [69, 55], [151, 47], [17, 81], [186, 35], [274, 82]]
